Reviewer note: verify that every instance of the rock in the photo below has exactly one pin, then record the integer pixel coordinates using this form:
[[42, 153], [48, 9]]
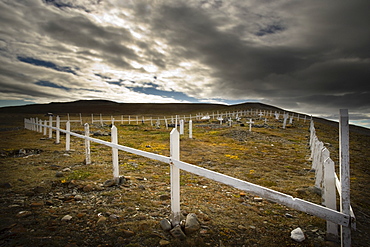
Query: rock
[[164, 197], [191, 223], [128, 233], [5, 185], [314, 190], [141, 187], [165, 224], [113, 217], [39, 189], [297, 235], [163, 242], [59, 174], [122, 180], [66, 169], [78, 197], [101, 221], [176, 232], [88, 188], [288, 215], [37, 204], [110, 182], [23, 214], [258, 199], [66, 218]]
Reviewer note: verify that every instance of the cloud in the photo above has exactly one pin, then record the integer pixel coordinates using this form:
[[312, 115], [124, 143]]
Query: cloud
[[311, 56]]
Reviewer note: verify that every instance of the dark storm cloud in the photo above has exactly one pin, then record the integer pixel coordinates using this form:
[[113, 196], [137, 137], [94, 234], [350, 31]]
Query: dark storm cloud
[[329, 56], [83, 33], [309, 56]]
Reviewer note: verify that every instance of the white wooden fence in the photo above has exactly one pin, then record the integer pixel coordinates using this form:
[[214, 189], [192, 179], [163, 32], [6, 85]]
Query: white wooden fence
[[328, 181], [343, 218]]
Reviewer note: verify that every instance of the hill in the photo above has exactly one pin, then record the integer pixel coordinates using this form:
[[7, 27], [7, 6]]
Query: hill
[[110, 107]]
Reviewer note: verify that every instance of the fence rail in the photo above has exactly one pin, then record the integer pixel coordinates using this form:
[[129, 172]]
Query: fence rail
[[325, 172]]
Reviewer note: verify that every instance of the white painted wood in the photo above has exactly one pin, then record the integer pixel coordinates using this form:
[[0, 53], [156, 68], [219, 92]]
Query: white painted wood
[[45, 127], [114, 139], [175, 177], [57, 132], [181, 127], [284, 199], [330, 198], [41, 127], [344, 174], [36, 126], [190, 129], [68, 136], [286, 115], [87, 145], [50, 127], [166, 122], [250, 124]]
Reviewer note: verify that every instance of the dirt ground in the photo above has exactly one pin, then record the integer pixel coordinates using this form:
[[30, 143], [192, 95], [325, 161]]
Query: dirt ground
[[49, 197]]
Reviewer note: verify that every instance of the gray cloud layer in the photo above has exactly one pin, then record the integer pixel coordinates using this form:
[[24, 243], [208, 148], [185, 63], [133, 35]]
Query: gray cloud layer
[[309, 56]]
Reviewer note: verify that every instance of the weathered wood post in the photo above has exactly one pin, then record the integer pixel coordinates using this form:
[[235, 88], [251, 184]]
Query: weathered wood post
[[81, 119], [330, 199], [40, 122], [45, 129], [68, 136], [181, 127], [286, 115], [36, 126], [114, 139], [87, 145], [250, 124], [92, 118], [190, 129], [175, 177], [166, 122], [344, 174], [101, 120], [57, 133], [50, 125]]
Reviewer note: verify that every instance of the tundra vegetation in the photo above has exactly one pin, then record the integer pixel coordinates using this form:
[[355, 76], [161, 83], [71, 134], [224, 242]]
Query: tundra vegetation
[[42, 184]]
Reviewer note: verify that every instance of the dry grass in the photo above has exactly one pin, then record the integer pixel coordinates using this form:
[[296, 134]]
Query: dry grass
[[272, 157]]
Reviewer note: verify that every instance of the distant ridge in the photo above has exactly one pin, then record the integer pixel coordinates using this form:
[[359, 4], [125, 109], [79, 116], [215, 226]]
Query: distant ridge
[[110, 107]]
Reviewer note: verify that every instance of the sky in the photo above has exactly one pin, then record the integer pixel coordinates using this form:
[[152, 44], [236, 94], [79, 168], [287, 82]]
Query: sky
[[312, 57]]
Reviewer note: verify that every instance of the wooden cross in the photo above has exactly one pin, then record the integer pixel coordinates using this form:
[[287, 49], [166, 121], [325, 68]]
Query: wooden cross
[[250, 124]]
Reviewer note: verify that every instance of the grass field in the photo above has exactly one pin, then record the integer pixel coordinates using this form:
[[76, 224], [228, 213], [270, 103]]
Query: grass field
[[271, 156]]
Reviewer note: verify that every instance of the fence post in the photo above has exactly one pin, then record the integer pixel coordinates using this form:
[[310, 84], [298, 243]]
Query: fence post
[[68, 136], [36, 126], [190, 129], [115, 154], [45, 123], [165, 122], [50, 125], [344, 174], [175, 177], [181, 127], [330, 199], [57, 141], [40, 122], [87, 145]]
